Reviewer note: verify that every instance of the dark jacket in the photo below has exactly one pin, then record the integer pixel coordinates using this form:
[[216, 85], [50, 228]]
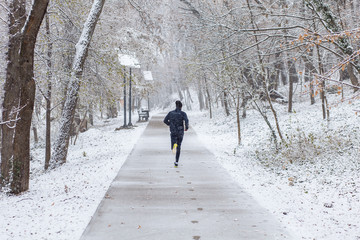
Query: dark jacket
[[175, 119]]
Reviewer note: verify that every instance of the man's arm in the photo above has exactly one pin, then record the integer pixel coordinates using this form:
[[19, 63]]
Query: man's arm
[[186, 122], [167, 119]]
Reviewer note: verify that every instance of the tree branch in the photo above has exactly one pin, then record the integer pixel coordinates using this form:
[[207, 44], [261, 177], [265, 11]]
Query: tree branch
[[337, 81], [192, 9]]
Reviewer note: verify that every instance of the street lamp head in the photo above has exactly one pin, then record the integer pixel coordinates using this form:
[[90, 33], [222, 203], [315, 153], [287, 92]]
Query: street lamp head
[[128, 61], [148, 76]]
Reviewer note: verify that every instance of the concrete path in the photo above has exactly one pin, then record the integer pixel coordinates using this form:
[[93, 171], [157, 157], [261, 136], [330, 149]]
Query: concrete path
[[151, 200]]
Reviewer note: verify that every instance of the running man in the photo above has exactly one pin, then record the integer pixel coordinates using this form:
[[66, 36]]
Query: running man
[[175, 119]]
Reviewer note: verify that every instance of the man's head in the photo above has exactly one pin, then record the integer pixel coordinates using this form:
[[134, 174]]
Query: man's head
[[178, 104]]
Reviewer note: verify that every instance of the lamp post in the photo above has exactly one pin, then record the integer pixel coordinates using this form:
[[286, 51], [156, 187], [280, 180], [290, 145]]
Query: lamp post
[[131, 62], [130, 107], [124, 99]]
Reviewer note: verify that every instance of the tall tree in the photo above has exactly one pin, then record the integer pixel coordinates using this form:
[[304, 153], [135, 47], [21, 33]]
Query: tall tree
[[19, 91], [293, 78], [62, 142], [16, 19], [262, 75], [48, 95]]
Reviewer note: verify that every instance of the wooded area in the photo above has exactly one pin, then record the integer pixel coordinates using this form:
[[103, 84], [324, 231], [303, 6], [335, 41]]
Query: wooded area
[[59, 62], [255, 47]]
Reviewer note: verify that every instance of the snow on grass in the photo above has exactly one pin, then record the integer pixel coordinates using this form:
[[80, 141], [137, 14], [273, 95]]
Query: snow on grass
[[312, 184], [60, 203]]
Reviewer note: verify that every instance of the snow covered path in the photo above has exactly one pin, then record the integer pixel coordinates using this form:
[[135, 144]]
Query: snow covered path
[[60, 202], [150, 199]]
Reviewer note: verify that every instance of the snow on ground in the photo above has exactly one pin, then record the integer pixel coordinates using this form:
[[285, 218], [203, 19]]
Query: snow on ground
[[60, 202], [312, 185]]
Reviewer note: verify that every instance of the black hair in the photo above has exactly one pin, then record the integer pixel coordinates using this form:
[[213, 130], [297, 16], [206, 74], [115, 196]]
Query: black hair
[[178, 104]]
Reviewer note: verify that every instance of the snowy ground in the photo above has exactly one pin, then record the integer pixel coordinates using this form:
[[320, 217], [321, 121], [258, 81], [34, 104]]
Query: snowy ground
[[61, 202], [313, 184]]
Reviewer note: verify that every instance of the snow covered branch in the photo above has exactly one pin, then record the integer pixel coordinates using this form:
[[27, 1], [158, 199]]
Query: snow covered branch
[[62, 141], [336, 81]]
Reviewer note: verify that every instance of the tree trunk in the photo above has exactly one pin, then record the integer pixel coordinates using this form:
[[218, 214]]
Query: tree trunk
[[208, 96], [353, 78], [206, 101], [181, 96], [112, 111], [23, 77], [238, 119], [91, 114], [322, 86], [274, 80], [48, 130], [48, 97], [309, 64], [293, 78], [201, 98], [353, 15], [188, 99], [280, 70], [291, 89], [21, 169], [309, 70], [243, 105], [226, 104], [17, 17], [36, 138], [81, 126], [21, 156], [62, 142]]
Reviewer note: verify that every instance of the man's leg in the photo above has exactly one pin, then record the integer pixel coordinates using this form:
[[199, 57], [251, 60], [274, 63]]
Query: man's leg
[[179, 141], [173, 140]]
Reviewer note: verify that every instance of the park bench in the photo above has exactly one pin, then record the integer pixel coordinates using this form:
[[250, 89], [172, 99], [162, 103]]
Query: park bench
[[143, 114]]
